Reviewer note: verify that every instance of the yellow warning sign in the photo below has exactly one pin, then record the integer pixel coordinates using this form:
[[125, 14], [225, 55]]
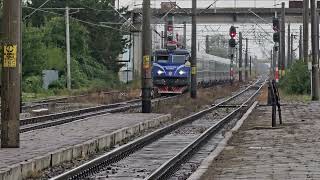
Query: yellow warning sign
[[194, 70], [10, 56], [146, 62]]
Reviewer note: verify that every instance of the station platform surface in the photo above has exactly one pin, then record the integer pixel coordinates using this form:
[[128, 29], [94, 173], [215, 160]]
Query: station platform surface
[[46, 142], [257, 151]]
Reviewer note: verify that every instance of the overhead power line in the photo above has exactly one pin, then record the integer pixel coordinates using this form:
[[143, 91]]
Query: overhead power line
[[36, 9], [79, 20]]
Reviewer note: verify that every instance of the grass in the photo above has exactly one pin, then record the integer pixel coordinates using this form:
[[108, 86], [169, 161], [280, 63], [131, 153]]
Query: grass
[[46, 94], [304, 98]]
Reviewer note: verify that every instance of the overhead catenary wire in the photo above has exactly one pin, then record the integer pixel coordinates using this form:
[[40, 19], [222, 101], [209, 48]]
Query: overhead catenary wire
[[79, 20], [36, 9]]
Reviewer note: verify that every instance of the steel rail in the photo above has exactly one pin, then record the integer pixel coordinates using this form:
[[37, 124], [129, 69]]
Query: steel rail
[[63, 118], [49, 117], [117, 154], [165, 169]]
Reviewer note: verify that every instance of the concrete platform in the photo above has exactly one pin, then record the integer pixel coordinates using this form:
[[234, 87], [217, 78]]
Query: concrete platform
[[48, 147], [256, 151]]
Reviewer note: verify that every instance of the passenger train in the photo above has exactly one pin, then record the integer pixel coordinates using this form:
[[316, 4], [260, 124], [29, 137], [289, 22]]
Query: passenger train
[[171, 71]]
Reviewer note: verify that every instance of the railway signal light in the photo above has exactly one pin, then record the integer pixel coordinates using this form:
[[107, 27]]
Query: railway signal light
[[276, 24], [232, 43], [276, 37], [233, 32]]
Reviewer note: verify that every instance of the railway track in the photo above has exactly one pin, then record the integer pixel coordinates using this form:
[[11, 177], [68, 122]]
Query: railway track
[[46, 102], [45, 121], [158, 154]]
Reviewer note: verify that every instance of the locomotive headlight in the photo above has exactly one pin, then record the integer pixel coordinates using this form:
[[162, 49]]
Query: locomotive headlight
[[181, 72], [160, 72]]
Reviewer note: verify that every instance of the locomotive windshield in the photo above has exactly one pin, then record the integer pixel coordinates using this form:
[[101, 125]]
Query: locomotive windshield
[[162, 59], [178, 59]]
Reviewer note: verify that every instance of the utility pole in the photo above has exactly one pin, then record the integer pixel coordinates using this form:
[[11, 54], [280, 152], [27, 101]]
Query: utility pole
[[194, 51], [300, 44], [289, 48], [11, 64], [315, 52], [282, 39], [146, 52], [305, 30], [68, 49], [240, 57], [246, 62], [185, 35]]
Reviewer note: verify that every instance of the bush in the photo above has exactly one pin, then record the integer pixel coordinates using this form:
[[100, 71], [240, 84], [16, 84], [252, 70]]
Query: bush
[[297, 79], [32, 84]]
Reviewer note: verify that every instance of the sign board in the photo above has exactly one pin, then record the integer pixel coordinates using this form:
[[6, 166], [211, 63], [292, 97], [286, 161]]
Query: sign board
[[146, 62], [10, 56], [194, 70]]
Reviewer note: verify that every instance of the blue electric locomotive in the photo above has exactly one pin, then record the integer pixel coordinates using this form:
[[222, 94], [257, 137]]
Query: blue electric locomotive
[[171, 71]]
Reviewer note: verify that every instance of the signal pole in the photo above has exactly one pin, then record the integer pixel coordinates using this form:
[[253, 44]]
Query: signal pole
[[232, 45], [315, 53], [282, 39], [11, 64], [246, 62], [194, 51], [305, 30], [240, 57], [276, 39], [146, 52]]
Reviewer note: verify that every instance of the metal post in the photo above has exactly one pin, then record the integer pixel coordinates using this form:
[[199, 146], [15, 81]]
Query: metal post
[[305, 30], [194, 51], [276, 61], [162, 40], [282, 40], [250, 65], [315, 52], [272, 64], [246, 62], [185, 35], [11, 64], [300, 44], [146, 52], [165, 32], [289, 48], [207, 44], [68, 49], [240, 57]]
